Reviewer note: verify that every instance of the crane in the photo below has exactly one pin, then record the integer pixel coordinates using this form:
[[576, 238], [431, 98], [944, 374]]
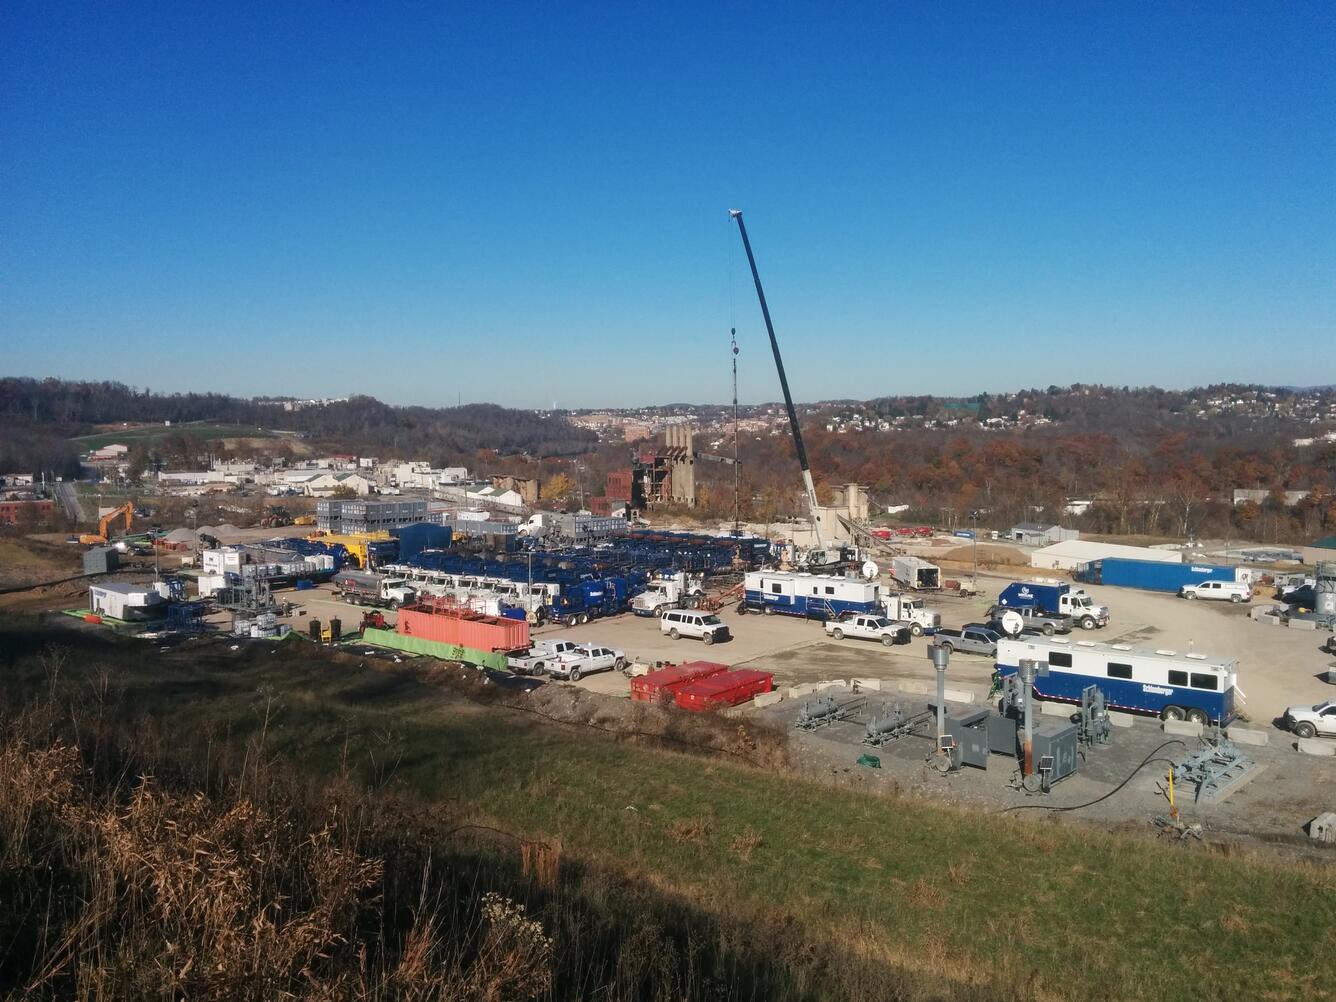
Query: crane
[[808, 488]]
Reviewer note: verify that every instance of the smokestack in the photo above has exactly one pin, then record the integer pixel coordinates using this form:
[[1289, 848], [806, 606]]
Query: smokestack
[[1027, 669], [941, 657]]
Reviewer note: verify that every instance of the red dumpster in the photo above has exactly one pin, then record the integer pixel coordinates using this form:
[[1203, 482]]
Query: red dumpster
[[664, 683], [725, 689]]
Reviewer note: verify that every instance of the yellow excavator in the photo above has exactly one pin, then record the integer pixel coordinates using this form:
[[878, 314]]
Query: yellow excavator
[[104, 523]]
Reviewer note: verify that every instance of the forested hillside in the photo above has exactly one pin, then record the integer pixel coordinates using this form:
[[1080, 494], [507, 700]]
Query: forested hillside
[[36, 416]]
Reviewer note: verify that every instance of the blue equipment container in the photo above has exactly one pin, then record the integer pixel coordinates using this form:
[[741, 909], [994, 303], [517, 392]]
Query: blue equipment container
[[419, 536], [1150, 575]]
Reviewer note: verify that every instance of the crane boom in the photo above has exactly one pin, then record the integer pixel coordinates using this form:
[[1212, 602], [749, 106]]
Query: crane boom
[[808, 486]]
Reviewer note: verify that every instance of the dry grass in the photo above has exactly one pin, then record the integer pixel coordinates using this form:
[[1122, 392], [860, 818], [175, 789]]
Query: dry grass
[[746, 842], [689, 831], [924, 893], [154, 894]]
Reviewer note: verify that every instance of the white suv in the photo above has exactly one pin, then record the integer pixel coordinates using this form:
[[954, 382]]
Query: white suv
[[691, 623], [1235, 591], [1310, 721]]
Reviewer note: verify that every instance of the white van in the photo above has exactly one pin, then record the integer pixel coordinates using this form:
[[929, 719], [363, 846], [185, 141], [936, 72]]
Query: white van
[[679, 623], [1233, 591]]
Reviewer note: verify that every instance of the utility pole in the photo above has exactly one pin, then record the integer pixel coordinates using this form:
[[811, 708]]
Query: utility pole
[[974, 521]]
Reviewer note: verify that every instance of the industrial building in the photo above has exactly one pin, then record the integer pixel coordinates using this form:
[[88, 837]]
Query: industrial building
[[666, 474], [367, 516], [117, 600], [1039, 534], [583, 529], [1072, 553], [423, 476], [19, 511], [848, 507]]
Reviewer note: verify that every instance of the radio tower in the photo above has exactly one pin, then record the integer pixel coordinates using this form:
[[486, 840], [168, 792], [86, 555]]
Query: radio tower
[[737, 526]]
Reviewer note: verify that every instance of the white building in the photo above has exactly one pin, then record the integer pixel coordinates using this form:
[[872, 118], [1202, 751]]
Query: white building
[[190, 476], [117, 600], [426, 477], [1072, 553], [324, 483], [109, 452], [1260, 496], [494, 495]]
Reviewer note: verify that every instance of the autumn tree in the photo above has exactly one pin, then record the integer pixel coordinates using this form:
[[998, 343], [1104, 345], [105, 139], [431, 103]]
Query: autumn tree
[[558, 487]]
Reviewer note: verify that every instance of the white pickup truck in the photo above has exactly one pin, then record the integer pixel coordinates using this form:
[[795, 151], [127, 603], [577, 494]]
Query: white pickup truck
[[540, 656], [880, 628], [585, 660], [1311, 721]]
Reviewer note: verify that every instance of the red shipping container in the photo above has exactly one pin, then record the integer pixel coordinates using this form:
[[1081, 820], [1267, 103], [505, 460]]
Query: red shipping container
[[664, 683], [468, 629], [725, 689]]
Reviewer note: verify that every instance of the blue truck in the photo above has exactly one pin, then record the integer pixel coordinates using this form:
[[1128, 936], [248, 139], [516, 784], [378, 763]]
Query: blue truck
[[1056, 598], [579, 603]]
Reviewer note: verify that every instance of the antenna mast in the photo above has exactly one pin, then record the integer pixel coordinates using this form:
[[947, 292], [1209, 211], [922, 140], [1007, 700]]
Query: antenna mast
[[737, 526]]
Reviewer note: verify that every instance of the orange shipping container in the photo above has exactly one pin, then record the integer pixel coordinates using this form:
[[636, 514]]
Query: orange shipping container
[[469, 629]]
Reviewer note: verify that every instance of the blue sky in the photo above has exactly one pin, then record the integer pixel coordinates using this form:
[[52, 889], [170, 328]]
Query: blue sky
[[528, 203]]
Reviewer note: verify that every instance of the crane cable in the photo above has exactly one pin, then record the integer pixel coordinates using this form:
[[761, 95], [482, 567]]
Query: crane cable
[[1078, 807]]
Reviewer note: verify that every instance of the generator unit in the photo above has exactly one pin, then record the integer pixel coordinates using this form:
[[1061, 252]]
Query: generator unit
[[1055, 750], [966, 739]]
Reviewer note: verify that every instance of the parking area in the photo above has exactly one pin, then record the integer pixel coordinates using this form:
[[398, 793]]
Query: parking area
[[1277, 667]]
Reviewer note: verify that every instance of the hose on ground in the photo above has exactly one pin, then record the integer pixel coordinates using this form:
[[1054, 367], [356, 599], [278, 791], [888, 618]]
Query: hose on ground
[[1152, 757]]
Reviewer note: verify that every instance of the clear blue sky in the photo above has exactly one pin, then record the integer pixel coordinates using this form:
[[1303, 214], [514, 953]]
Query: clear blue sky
[[523, 203]]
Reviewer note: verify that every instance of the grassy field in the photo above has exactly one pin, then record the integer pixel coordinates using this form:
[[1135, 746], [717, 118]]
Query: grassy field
[[155, 433], [923, 901]]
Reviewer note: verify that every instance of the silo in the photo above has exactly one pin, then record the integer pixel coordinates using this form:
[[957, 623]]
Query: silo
[[1324, 602]]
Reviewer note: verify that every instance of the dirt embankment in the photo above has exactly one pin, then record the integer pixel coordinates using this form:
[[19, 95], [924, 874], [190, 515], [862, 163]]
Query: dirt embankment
[[754, 742], [989, 557], [25, 560]]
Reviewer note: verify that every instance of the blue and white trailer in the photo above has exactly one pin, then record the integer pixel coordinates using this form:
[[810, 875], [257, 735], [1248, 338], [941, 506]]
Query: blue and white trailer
[[813, 596], [1162, 683]]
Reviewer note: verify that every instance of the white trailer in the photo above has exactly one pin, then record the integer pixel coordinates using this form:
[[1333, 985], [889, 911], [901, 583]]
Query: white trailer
[[916, 573]]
